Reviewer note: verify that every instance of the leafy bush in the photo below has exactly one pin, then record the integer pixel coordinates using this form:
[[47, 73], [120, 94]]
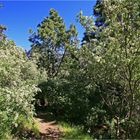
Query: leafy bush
[[17, 86]]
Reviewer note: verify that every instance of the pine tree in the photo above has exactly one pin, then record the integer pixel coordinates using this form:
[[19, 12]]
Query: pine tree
[[51, 42], [99, 15]]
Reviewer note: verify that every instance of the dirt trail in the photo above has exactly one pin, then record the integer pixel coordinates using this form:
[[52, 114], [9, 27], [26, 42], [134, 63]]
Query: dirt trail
[[48, 130]]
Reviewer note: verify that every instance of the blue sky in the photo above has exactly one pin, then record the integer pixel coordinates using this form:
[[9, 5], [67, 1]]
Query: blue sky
[[20, 16]]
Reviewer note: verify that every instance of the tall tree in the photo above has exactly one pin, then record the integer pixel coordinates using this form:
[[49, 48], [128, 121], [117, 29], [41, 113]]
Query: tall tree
[[98, 12], [100, 17], [52, 41], [113, 64]]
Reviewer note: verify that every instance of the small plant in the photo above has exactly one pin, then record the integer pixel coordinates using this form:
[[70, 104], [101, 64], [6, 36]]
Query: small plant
[[73, 132]]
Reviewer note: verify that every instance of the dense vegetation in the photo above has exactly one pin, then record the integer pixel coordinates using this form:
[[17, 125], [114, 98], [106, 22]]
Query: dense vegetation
[[94, 84]]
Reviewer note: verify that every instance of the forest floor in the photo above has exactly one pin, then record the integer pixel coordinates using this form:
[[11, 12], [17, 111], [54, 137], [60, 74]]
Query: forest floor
[[52, 129], [48, 129]]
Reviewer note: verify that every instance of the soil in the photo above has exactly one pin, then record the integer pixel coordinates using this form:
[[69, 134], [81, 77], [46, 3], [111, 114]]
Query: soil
[[49, 130]]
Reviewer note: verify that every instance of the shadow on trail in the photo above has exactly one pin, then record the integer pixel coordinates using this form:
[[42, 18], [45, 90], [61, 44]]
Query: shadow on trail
[[47, 125]]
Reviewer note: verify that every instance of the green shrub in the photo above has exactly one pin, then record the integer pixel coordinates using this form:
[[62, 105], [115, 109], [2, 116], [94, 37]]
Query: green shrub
[[17, 86]]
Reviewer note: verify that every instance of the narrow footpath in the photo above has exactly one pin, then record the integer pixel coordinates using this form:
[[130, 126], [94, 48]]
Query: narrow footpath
[[49, 130]]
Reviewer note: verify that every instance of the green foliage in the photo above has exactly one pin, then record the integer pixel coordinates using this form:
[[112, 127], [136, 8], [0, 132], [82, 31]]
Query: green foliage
[[51, 42], [72, 132], [26, 126], [114, 66], [100, 86], [96, 85], [18, 77], [52, 46]]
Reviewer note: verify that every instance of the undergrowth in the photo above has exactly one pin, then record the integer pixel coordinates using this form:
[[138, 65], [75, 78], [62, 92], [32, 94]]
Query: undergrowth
[[72, 132]]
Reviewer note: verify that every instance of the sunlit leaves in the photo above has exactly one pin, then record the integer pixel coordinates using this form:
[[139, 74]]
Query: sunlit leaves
[[18, 78]]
